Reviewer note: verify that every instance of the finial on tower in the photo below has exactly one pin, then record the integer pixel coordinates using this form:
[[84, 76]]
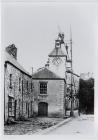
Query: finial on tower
[[60, 40]]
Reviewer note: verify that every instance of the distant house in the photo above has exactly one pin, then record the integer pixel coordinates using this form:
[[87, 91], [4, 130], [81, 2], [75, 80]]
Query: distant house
[[49, 94], [86, 76], [18, 88]]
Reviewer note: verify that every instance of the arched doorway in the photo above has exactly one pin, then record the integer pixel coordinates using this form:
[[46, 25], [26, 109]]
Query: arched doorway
[[42, 109]]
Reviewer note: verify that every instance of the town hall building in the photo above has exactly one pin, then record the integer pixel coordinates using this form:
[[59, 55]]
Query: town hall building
[[51, 94], [50, 86]]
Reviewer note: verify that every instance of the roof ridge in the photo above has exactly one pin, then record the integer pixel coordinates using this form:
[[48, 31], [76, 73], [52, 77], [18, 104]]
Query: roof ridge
[[45, 73], [13, 61]]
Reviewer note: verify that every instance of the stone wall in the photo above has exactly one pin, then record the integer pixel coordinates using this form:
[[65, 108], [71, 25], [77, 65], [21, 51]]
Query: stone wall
[[55, 97], [18, 91]]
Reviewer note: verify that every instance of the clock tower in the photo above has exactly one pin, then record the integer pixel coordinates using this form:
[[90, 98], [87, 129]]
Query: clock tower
[[57, 58]]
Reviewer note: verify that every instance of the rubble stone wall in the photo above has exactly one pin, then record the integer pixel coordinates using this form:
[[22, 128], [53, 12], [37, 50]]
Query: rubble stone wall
[[20, 94]]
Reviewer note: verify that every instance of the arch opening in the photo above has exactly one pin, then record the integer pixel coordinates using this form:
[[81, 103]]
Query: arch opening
[[43, 109]]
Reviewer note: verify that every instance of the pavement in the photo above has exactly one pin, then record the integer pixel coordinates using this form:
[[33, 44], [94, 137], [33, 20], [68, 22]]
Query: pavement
[[81, 126], [52, 128]]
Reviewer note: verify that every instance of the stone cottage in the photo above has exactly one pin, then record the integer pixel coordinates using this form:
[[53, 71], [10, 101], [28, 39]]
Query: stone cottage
[[18, 87]]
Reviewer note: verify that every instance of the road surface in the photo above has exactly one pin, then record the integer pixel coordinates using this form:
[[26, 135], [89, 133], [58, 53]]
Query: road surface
[[83, 125]]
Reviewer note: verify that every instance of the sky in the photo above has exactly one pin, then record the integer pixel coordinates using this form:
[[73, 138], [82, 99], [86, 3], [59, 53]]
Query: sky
[[33, 28]]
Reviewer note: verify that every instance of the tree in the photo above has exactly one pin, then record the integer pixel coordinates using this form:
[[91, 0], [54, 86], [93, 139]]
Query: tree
[[86, 96]]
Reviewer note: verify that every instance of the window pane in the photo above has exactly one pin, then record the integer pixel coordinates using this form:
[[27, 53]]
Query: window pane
[[43, 88]]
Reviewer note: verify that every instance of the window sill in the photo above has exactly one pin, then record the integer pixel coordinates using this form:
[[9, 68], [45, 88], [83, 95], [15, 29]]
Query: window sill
[[43, 94]]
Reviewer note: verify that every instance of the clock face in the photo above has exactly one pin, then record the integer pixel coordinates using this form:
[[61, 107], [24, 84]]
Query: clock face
[[57, 61]]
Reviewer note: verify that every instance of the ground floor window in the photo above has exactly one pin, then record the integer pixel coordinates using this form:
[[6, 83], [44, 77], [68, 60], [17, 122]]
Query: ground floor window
[[26, 107], [11, 106], [31, 107]]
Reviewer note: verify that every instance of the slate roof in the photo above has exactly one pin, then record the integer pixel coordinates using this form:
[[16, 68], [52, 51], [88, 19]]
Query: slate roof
[[8, 58], [57, 52], [45, 73]]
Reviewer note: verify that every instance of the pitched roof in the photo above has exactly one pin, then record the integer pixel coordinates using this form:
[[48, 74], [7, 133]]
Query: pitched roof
[[13, 61], [45, 74], [57, 51]]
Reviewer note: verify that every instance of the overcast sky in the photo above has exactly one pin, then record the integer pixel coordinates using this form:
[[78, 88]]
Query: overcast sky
[[34, 27]]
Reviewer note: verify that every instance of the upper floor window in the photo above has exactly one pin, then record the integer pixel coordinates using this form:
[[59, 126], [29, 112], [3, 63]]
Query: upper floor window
[[31, 87], [10, 78], [43, 87], [19, 84], [27, 85]]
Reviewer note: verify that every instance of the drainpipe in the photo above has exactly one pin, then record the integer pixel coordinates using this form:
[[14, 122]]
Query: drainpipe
[[5, 66], [32, 113], [22, 96]]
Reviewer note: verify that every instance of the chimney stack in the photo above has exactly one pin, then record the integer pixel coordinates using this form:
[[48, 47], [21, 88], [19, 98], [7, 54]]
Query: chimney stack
[[12, 50]]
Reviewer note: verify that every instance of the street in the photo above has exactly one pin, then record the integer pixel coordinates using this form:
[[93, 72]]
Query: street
[[31, 126], [80, 125], [83, 125]]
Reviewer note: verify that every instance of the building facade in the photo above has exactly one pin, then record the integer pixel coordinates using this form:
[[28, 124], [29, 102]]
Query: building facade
[[49, 94], [45, 93], [18, 88], [58, 63]]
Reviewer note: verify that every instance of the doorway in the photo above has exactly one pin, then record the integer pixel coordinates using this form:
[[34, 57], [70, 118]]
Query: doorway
[[43, 109]]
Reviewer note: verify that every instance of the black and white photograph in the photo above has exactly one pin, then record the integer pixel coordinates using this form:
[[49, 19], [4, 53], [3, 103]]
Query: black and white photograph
[[48, 68]]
